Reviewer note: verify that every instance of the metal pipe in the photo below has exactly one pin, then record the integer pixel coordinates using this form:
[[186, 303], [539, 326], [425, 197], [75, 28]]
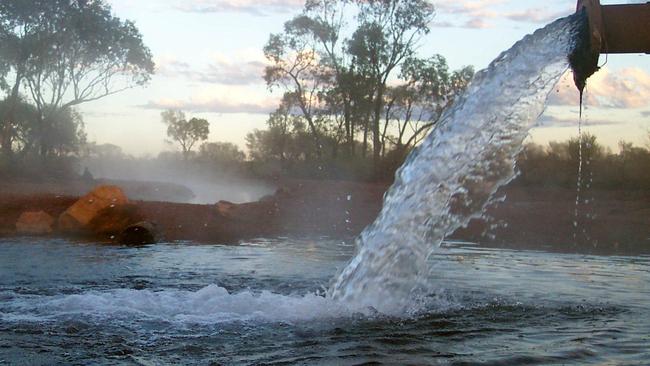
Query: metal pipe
[[618, 28], [611, 29], [626, 28]]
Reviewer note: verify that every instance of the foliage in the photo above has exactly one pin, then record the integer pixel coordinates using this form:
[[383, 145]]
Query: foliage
[[221, 155], [64, 133], [335, 75], [186, 133], [557, 165], [72, 48], [64, 53]]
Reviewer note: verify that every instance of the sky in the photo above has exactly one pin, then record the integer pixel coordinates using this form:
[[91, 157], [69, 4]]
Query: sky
[[209, 63]]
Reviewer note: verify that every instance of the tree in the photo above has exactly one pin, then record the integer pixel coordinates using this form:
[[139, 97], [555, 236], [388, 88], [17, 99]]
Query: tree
[[186, 133], [388, 33], [221, 154], [429, 90], [296, 68], [64, 134], [584, 147], [20, 135], [335, 68], [68, 52]]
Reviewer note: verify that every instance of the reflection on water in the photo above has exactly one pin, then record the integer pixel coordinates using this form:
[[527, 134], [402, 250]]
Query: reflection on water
[[261, 302]]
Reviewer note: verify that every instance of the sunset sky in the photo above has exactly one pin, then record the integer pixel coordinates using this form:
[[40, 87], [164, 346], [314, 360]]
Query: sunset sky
[[210, 64]]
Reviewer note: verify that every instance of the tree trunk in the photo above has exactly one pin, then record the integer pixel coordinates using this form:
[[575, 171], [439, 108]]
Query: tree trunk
[[43, 147], [376, 137], [364, 150], [10, 120], [349, 136]]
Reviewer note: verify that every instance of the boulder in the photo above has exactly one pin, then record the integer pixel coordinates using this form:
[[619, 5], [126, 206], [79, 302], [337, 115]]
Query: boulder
[[140, 233], [77, 217], [225, 208], [34, 223], [111, 221]]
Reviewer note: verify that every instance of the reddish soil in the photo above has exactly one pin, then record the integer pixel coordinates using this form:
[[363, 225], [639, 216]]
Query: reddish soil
[[531, 218]]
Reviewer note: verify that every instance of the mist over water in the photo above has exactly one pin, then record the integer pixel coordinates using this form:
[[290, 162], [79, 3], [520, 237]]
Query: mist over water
[[194, 184], [452, 176]]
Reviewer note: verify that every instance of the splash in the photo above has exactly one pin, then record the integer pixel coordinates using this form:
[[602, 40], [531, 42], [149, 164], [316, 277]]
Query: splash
[[450, 178], [211, 305]]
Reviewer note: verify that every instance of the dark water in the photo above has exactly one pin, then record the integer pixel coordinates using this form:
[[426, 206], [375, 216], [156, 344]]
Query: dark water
[[260, 303]]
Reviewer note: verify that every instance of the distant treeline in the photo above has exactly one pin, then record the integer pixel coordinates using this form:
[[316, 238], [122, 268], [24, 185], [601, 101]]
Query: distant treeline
[[553, 165], [558, 164]]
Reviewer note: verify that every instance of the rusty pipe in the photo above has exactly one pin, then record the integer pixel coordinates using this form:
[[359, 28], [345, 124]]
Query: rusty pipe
[[618, 28], [612, 29]]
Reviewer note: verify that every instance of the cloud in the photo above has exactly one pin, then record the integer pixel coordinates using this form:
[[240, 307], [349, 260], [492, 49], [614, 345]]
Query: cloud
[[171, 67], [535, 15], [100, 114], [547, 121], [220, 70], [645, 113], [474, 13], [254, 7], [214, 105], [477, 14], [626, 88], [230, 73], [437, 24], [477, 24]]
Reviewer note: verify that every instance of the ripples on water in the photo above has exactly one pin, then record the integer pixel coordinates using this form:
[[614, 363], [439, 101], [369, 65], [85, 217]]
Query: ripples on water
[[262, 303]]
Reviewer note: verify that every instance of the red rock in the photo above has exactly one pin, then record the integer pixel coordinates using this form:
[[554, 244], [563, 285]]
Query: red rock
[[224, 208], [111, 221], [34, 223], [80, 214]]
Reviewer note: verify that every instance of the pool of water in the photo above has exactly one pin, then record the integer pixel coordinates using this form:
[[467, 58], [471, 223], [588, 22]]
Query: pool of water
[[262, 303]]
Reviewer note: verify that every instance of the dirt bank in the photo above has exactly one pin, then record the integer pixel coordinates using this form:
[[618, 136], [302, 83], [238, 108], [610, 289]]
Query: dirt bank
[[531, 218]]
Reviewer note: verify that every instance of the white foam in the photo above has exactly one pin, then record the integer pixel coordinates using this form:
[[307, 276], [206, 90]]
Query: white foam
[[211, 304]]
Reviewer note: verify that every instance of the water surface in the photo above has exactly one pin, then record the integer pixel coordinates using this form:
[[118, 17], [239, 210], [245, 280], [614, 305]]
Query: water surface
[[263, 303]]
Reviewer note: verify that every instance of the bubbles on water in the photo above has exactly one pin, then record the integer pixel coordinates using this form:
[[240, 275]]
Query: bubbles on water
[[210, 305]]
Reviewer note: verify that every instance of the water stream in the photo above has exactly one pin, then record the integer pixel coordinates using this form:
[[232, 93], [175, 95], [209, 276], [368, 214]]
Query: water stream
[[450, 178]]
